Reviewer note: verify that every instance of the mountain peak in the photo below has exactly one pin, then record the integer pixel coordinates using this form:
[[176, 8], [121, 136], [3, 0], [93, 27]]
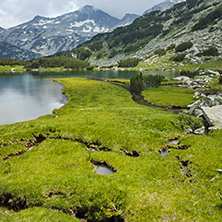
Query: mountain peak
[[88, 8], [130, 15], [164, 5], [37, 18]]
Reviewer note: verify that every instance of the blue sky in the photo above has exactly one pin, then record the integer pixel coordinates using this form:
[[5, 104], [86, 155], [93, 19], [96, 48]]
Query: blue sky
[[14, 12]]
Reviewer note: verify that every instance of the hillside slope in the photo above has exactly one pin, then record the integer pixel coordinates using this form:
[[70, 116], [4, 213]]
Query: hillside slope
[[189, 32], [163, 5], [10, 51]]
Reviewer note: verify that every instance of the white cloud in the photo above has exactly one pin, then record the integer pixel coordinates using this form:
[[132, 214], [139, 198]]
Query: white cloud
[[14, 12]]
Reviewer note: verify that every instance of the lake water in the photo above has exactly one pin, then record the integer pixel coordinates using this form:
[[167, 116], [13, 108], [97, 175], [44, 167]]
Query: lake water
[[30, 95]]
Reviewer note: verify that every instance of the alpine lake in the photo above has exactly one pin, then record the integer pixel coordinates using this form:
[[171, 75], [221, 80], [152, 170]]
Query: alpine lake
[[26, 96]]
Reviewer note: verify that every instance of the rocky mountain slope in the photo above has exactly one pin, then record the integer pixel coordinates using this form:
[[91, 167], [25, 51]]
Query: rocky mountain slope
[[163, 5], [189, 32], [47, 36], [10, 51]]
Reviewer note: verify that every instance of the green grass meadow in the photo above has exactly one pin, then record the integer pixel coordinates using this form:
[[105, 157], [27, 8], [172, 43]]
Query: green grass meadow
[[166, 95], [56, 181]]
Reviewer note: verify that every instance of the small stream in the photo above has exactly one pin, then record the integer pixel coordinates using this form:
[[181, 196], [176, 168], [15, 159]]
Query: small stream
[[139, 99]]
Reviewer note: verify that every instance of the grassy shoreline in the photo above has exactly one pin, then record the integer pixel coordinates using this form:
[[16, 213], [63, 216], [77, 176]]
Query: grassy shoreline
[[217, 65], [55, 177]]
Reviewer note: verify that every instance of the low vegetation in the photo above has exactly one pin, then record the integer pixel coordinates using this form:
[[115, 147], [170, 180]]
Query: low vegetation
[[209, 18], [187, 122], [212, 51], [189, 73], [82, 53], [167, 96], [220, 79], [13, 62], [54, 62], [128, 63], [178, 57], [46, 163], [139, 82], [183, 46]]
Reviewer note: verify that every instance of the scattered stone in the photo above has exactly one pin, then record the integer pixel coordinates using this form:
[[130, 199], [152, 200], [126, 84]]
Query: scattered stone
[[207, 101], [181, 78], [213, 72], [200, 131]]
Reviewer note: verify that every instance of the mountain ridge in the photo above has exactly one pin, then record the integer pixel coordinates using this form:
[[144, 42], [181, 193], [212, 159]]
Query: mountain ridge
[[10, 51], [155, 36], [46, 36], [163, 5]]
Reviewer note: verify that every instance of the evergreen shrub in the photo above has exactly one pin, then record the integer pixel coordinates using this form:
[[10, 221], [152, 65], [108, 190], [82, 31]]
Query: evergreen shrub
[[170, 47], [54, 62], [220, 79], [212, 51], [160, 52], [184, 46], [186, 122], [140, 82], [188, 73], [178, 57], [128, 62], [205, 21]]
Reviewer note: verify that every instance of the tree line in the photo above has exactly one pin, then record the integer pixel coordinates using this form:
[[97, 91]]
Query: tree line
[[47, 62]]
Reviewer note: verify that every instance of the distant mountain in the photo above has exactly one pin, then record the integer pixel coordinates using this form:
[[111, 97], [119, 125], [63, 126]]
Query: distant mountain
[[126, 20], [47, 36], [163, 5], [10, 51]]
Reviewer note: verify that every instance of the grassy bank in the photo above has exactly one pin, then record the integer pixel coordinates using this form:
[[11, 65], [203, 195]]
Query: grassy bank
[[10, 68], [46, 163], [166, 96], [217, 65]]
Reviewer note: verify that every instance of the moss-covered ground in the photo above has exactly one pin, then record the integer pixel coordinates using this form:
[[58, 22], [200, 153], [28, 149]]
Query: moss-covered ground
[[169, 96], [47, 175]]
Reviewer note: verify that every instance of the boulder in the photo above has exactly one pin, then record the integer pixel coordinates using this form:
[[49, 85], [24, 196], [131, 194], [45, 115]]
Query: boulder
[[213, 72], [215, 115], [194, 50], [200, 131], [197, 95], [181, 78]]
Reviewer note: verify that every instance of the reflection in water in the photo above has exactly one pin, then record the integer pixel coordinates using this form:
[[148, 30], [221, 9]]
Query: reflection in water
[[22, 97], [164, 153], [102, 170], [33, 94]]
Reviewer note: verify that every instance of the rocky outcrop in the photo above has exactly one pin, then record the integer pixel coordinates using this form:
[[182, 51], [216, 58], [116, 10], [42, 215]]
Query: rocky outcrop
[[209, 108], [199, 82]]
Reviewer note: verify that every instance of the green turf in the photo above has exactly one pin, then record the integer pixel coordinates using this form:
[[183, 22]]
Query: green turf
[[57, 181]]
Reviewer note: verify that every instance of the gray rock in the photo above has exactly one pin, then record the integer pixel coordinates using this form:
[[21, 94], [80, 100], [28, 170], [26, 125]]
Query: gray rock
[[182, 78], [197, 95], [200, 131], [213, 72], [194, 50], [215, 115]]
